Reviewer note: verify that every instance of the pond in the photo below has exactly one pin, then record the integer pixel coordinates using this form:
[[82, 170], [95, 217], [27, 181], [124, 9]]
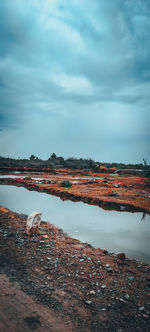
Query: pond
[[116, 231]]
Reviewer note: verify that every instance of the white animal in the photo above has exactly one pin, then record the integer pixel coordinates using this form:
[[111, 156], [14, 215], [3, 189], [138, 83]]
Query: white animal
[[33, 220]]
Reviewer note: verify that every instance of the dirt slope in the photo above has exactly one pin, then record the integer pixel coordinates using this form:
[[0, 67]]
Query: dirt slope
[[51, 282]]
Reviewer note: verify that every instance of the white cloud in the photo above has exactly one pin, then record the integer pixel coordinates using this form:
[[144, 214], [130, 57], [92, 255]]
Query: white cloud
[[54, 20], [66, 33], [73, 84]]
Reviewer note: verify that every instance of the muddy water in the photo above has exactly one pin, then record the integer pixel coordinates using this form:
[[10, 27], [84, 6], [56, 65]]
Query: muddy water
[[115, 231]]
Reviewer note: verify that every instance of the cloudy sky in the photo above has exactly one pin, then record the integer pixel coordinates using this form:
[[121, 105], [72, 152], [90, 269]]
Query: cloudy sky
[[75, 79]]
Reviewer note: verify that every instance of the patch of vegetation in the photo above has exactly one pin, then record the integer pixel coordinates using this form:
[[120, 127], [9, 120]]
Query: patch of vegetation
[[65, 183], [55, 162]]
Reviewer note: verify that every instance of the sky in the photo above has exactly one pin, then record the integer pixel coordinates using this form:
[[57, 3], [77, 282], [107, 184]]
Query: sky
[[75, 79]]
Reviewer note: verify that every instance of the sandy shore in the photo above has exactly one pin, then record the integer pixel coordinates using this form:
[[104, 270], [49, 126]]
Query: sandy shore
[[51, 282]]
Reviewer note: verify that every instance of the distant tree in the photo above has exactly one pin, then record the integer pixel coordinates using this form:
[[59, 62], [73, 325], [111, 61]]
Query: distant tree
[[91, 162], [145, 162], [32, 157], [53, 156]]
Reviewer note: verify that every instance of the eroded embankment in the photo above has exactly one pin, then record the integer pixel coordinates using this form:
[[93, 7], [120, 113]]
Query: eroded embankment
[[109, 191], [79, 287]]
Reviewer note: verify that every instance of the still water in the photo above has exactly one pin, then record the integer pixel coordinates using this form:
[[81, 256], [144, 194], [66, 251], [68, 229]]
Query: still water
[[115, 231], [10, 176]]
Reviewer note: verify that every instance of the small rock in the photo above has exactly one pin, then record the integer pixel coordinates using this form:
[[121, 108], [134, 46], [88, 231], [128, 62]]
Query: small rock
[[107, 265], [131, 278], [117, 185], [122, 207], [121, 256], [114, 194], [65, 183], [122, 300], [45, 236], [127, 296], [83, 257], [141, 308], [88, 302], [103, 286], [105, 251]]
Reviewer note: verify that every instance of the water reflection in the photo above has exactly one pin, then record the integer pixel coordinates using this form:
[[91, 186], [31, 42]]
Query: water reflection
[[10, 176], [115, 231], [143, 216]]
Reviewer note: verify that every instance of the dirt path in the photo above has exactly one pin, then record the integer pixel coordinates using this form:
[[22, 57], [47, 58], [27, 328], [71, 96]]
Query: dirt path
[[19, 312], [51, 282]]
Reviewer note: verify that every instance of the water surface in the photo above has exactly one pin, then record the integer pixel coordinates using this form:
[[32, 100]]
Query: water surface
[[11, 176], [115, 231]]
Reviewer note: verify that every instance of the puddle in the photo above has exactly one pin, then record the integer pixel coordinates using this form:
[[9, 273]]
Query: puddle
[[11, 176], [93, 178], [39, 179], [116, 231]]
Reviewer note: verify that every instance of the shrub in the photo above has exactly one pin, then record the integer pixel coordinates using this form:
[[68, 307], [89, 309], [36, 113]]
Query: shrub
[[65, 183]]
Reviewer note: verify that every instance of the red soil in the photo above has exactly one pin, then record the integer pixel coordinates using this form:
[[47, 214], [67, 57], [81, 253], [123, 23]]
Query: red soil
[[122, 192], [51, 282]]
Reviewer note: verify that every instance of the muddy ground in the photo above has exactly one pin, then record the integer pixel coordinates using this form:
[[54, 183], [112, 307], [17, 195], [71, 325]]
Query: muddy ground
[[113, 191], [51, 282]]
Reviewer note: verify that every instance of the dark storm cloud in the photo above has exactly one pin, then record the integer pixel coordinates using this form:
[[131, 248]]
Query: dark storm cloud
[[69, 63]]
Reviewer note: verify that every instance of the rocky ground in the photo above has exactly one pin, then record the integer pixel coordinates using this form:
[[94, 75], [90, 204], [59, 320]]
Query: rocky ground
[[51, 282], [123, 192]]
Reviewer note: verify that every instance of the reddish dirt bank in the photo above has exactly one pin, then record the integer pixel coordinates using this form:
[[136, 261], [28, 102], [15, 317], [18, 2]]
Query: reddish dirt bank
[[51, 282], [110, 191]]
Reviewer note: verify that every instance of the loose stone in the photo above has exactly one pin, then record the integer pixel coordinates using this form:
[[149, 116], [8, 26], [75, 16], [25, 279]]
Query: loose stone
[[131, 278], [121, 256], [88, 302], [103, 286], [141, 308]]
